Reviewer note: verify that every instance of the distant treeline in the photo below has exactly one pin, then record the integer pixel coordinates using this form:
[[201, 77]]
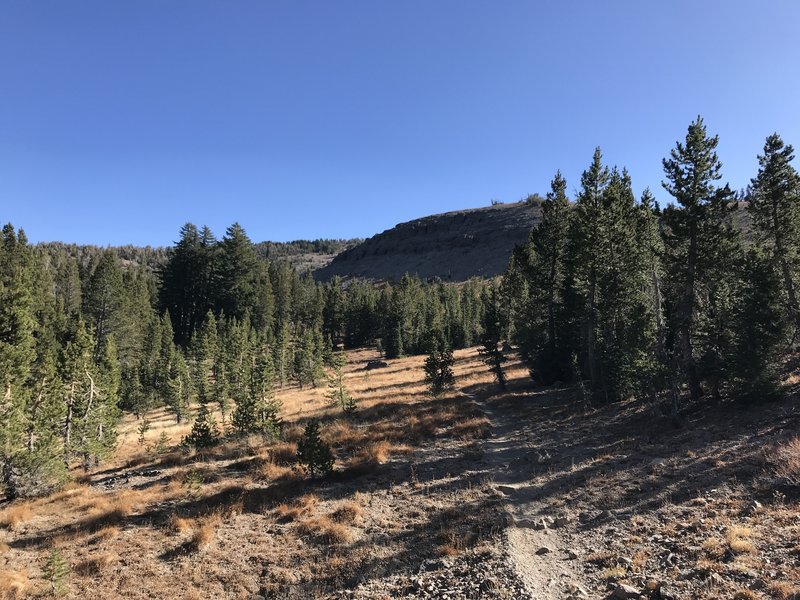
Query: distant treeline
[[86, 332], [154, 257]]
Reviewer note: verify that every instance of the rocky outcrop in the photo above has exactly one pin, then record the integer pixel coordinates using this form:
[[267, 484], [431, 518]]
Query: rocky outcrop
[[451, 246]]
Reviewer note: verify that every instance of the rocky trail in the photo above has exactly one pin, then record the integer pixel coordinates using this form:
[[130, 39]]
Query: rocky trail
[[536, 543]]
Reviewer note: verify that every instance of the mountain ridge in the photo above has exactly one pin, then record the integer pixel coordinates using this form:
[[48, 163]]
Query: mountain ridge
[[452, 246]]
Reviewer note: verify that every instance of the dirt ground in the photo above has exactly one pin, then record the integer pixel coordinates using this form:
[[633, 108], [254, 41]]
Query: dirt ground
[[475, 494]]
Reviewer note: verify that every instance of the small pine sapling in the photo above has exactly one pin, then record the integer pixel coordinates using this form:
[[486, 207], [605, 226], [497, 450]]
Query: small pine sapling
[[55, 572], [439, 372], [313, 452]]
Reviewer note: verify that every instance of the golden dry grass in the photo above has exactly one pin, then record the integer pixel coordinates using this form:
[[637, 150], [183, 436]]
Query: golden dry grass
[[786, 461], [348, 512], [782, 590], [178, 524], [614, 573], [14, 584], [204, 532], [326, 530], [13, 516], [94, 566], [738, 540]]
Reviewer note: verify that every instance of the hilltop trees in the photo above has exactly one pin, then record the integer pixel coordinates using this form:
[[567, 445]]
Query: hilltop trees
[[774, 204], [640, 302]]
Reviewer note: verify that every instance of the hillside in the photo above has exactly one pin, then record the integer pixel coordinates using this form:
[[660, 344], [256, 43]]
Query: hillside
[[476, 494], [453, 246]]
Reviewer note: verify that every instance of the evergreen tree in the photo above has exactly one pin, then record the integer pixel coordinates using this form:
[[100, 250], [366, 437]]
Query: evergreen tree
[[698, 239], [17, 348], [313, 452], [337, 392], [239, 274], [104, 299], [491, 349], [536, 277], [439, 371], [759, 329], [204, 432], [774, 204]]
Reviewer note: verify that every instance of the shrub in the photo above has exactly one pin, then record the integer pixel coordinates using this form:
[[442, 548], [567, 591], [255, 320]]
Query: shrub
[[439, 372], [313, 453]]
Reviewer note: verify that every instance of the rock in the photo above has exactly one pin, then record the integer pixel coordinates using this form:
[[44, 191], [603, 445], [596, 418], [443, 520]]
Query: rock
[[572, 554], [625, 592], [577, 591], [376, 364], [666, 593], [561, 520], [506, 489], [543, 550], [488, 585]]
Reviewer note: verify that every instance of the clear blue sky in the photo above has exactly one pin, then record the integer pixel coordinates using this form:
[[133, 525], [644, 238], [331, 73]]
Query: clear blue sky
[[120, 121]]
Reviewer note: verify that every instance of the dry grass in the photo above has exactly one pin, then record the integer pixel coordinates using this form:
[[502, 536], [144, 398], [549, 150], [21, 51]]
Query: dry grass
[[178, 524], [714, 547], [614, 573], [15, 515], [96, 565], [326, 530], [110, 509], [108, 532], [14, 584], [786, 461], [745, 594], [348, 512], [738, 540], [294, 510], [204, 532], [472, 428], [784, 591], [284, 453]]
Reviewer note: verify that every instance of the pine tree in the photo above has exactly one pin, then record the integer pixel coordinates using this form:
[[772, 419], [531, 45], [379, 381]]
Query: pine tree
[[585, 264], [239, 274], [491, 349], [179, 388], [337, 391], [204, 432], [17, 350], [104, 298], [55, 572], [536, 277], [759, 329], [313, 452], [774, 204], [439, 371], [697, 237]]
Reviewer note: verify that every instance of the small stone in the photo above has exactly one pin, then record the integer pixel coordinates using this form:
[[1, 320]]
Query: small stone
[[665, 593], [577, 591], [625, 592], [543, 550], [506, 489], [572, 554]]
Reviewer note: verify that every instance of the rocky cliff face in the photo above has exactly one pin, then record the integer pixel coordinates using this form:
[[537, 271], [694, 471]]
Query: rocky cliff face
[[453, 246]]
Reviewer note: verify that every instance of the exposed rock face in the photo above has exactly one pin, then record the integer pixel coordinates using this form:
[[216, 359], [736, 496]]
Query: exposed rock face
[[452, 246]]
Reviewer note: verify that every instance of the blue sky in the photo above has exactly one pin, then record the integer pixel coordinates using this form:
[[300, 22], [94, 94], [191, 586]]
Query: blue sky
[[120, 121]]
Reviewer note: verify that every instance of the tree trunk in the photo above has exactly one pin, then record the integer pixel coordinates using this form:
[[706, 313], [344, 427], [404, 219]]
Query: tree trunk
[[688, 317]]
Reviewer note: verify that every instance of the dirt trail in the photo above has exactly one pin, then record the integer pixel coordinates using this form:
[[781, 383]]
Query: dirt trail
[[536, 543]]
